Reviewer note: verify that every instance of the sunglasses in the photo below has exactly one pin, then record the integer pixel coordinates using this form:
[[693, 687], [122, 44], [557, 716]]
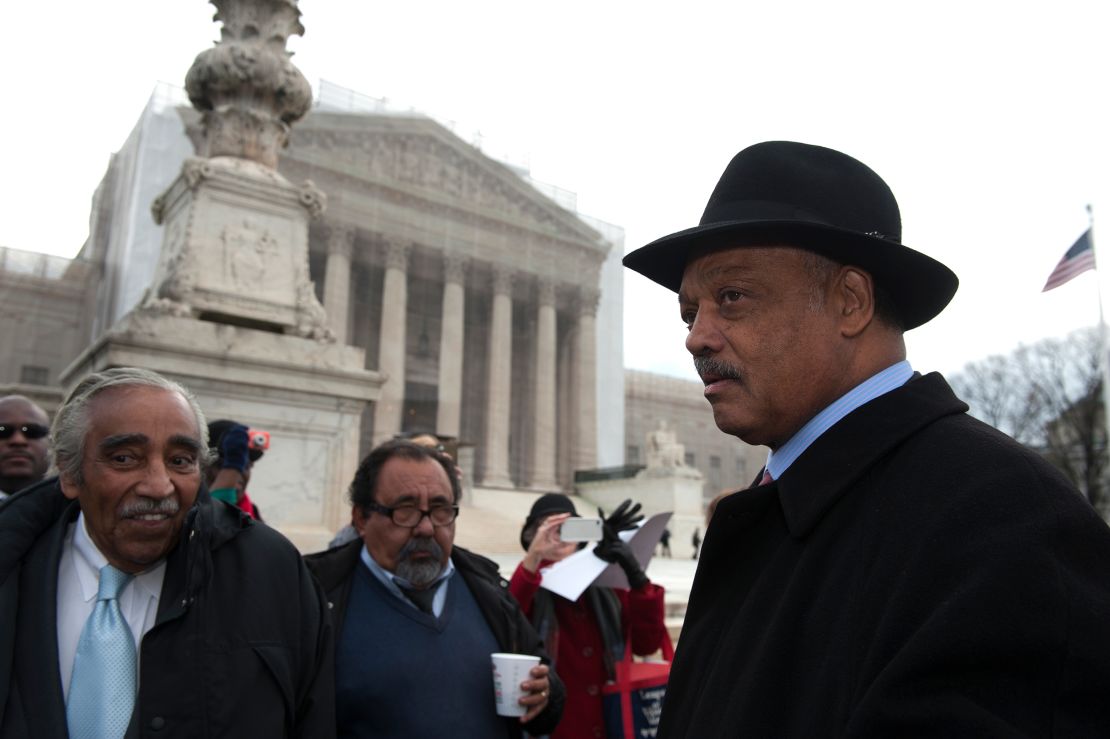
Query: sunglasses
[[29, 431]]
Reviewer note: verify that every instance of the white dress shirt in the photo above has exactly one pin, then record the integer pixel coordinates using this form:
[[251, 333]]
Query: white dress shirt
[[78, 581]]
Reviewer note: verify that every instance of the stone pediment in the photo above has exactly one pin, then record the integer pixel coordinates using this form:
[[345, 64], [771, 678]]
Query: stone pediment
[[421, 156]]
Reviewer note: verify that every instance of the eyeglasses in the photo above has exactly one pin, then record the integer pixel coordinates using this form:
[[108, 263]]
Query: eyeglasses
[[29, 431], [409, 516]]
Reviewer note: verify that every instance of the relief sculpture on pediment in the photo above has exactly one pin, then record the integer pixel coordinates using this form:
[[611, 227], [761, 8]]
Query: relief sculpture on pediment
[[426, 162]]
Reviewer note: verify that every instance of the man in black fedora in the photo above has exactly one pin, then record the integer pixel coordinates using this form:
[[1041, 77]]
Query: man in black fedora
[[899, 568]]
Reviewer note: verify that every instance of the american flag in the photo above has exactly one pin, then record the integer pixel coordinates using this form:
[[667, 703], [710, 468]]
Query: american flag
[[1078, 259]]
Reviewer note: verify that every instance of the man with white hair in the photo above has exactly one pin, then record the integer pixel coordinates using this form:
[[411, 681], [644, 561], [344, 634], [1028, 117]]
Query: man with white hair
[[130, 602]]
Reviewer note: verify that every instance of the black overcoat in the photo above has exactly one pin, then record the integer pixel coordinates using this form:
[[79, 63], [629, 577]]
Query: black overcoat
[[914, 573], [241, 644]]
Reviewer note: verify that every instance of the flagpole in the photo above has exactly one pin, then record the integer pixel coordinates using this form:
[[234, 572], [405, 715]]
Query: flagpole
[[1103, 355], [1098, 281]]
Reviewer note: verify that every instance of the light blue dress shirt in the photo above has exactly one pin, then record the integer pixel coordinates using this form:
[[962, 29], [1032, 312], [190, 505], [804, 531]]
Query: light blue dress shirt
[[892, 377]]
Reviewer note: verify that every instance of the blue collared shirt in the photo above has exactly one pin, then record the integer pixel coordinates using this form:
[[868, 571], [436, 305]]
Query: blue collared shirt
[[394, 583], [892, 377]]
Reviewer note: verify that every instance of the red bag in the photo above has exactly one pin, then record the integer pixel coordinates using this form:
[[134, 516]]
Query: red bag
[[632, 703]]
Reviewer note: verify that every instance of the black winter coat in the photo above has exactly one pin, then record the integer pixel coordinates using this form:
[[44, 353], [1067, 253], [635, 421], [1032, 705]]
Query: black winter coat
[[915, 573], [335, 569], [241, 645]]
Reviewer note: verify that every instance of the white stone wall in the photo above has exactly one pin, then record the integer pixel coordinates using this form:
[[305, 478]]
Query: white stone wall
[[723, 460]]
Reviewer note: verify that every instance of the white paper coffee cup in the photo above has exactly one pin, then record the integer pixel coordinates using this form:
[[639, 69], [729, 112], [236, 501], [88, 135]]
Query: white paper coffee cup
[[509, 671]]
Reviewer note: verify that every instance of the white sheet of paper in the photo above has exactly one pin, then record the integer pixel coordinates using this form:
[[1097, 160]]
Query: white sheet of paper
[[573, 575]]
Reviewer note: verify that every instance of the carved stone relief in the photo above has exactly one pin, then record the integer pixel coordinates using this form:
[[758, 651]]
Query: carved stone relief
[[423, 161], [251, 260]]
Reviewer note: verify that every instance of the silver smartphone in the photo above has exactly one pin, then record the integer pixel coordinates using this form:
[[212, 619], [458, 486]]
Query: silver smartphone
[[581, 529]]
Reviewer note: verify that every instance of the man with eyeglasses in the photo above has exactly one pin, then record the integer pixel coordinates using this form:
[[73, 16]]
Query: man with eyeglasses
[[24, 456], [410, 609]]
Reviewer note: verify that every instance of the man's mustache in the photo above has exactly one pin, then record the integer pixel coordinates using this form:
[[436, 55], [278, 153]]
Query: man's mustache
[[709, 367], [425, 545], [146, 506]]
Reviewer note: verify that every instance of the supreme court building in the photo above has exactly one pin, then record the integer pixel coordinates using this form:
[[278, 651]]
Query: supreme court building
[[491, 307], [474, 293]]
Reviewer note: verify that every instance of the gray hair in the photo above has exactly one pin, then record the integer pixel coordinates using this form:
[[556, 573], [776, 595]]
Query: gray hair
[[71, 424]]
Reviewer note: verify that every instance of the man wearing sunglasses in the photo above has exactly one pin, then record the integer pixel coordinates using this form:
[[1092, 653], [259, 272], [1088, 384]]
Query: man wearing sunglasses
[[23, 444], [411, 609]]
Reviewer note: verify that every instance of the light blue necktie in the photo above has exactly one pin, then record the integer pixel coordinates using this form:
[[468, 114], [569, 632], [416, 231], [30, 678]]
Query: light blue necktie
[[102, 689]]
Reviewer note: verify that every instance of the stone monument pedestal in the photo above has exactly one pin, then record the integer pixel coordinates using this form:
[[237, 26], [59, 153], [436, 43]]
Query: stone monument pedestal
[[235, 248], [231, 312], [303, 391]]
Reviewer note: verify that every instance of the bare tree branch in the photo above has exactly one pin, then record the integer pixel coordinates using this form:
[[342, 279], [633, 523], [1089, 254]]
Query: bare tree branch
[[1048, 396]]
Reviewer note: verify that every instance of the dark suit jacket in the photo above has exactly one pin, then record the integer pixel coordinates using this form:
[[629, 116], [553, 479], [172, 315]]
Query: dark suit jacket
[[913, 573]]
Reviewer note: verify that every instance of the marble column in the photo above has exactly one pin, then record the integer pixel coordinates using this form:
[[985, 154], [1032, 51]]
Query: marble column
[[584, 453], [451, 347], [499, 386], [337, 279], [543, 438], [391, 343]]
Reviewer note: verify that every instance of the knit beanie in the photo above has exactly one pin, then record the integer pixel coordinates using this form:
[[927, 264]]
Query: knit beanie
[[546, 505]]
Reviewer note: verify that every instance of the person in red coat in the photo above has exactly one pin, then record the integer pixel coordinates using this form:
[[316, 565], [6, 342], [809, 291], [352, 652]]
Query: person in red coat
[[589, 635]]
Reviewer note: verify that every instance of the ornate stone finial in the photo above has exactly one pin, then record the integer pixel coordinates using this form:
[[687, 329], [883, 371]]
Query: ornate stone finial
[[246, 86]]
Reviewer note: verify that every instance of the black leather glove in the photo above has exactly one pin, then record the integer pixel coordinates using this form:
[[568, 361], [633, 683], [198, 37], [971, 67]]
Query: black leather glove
[[624, 518], [614, 550], [234, 449]]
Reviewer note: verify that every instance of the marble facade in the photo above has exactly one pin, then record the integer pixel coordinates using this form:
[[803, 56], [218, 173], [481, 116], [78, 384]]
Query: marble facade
[[410, 268], [465, 286]]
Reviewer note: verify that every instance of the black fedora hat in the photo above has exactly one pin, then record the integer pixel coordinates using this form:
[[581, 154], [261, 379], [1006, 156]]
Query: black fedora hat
[[782, 193]]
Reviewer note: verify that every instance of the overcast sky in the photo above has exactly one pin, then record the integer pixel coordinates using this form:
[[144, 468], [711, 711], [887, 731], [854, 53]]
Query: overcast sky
[[988, 119]]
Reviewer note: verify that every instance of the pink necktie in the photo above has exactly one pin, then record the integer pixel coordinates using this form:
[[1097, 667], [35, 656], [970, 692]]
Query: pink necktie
[[766, 479]]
